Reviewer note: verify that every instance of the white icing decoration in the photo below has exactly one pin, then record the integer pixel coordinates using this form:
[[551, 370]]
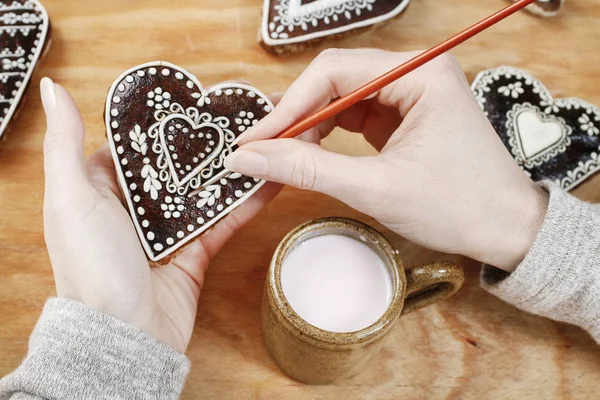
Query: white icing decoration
[[151, 183], [588, 125], [145, 223], [212, 153], [150, 235], [209, 196], [293, 15], [534, 136]]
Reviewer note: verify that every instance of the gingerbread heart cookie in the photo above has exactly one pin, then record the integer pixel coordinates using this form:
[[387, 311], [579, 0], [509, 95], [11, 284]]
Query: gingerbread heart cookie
[[24, 35], [555, 139], [168, 137], [293, 25]]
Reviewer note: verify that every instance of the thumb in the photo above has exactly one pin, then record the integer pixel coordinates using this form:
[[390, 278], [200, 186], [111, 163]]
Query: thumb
[[305, 166], [64, 163]]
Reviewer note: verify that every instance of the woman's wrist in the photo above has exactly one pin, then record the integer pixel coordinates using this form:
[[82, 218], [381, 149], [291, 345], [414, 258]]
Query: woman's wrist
[[510, 233]]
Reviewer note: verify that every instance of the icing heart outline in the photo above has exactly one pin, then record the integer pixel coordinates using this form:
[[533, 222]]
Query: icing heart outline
[[36, 52], [116, 135], [580, 160], [213, 154], [518, 136], [272, 34]]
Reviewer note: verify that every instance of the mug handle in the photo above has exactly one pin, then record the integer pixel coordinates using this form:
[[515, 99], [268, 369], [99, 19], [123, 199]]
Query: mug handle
[[426, 284]]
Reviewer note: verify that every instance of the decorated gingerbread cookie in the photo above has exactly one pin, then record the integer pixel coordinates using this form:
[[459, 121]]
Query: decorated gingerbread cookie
[[555, 139], [168, 137], [545, 8], [293, 25], [24, 35]]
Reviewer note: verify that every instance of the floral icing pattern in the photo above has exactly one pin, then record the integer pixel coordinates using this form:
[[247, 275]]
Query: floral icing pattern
[[551, 139]]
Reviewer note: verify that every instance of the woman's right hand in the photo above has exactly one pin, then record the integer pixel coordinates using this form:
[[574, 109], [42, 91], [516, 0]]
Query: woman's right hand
[[443, 178]]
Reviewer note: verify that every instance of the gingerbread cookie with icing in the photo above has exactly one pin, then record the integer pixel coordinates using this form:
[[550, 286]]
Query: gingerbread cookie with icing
[[24, 36], [545, 8], [554, 139], [292, 25], [168, 137]]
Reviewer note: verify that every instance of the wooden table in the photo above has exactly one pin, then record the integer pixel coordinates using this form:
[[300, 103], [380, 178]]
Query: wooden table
[[472, 346]]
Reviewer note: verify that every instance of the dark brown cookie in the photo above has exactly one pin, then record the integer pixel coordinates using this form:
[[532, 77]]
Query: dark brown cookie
[[168, 136], [555, 139], [24, 36], [290, 26]]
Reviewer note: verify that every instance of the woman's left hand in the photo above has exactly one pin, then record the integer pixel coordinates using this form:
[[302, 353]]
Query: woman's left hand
[[94, 248]]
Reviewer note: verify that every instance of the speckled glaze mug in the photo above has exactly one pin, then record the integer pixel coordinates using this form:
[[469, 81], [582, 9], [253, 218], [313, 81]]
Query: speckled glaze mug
[[315, 356]]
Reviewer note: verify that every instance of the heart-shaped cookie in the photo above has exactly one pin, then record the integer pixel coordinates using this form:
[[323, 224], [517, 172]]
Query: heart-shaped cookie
[[292, 25], [168, 136], [24, 35], [556, 139]]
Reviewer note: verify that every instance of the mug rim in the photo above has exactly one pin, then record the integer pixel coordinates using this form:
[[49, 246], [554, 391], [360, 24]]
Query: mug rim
[[394, 264]]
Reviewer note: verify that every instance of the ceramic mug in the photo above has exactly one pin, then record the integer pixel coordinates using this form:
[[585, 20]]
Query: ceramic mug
[[315, 356]]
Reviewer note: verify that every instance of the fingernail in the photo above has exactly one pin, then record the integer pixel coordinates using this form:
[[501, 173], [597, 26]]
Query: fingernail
[[247, 163], [239, 139], [48, 92]]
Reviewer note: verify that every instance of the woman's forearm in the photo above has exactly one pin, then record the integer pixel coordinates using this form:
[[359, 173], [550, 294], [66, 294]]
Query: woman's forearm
[[78, 352], [560, 275]]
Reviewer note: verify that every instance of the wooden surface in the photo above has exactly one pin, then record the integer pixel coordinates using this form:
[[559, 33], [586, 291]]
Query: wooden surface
[[471, 347]]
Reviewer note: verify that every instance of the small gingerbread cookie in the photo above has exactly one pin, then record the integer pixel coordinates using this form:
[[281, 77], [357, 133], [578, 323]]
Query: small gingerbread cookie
[[554, 139], [24, 36], [168, 136], [290, 26]]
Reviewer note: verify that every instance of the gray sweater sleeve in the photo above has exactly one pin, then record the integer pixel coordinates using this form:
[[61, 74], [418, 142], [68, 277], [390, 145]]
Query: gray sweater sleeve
[[560, 276], [77, 352]]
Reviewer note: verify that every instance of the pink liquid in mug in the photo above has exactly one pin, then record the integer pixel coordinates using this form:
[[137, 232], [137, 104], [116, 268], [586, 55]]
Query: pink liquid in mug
[[336, 283]]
